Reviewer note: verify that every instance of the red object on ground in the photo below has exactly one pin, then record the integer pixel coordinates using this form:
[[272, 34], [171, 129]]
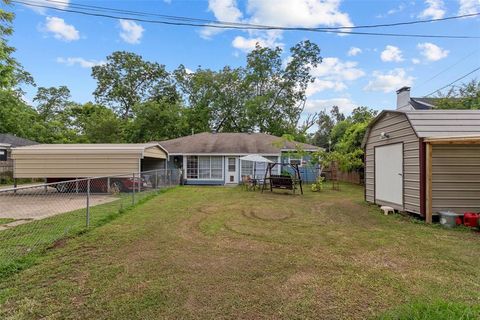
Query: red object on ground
[[470, 219], [459, 220]]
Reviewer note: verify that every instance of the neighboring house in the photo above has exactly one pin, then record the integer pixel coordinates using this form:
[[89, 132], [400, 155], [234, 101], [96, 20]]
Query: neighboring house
[[7, 142], [213, 158], [407, 103], [424, 161]]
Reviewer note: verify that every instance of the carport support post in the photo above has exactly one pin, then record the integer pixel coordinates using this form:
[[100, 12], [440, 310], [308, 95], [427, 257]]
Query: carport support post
[[88, 203], [133, 189], [156, 179], [428, 182]]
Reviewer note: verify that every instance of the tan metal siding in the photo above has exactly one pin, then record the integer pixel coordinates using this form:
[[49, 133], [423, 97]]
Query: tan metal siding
[[68, 165], [155, 152], [456, 178], [400, 130]]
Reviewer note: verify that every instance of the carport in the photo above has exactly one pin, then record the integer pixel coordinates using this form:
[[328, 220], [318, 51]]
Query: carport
[[86, 160]]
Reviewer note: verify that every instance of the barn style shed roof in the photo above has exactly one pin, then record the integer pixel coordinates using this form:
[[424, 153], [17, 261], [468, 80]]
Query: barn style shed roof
[[437, 123], [232, 143]]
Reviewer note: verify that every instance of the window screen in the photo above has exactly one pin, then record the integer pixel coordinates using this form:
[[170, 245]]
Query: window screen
[[216, 167], [192, 167]]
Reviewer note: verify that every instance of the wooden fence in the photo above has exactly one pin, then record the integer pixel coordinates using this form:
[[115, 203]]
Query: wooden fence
[[356, 177]]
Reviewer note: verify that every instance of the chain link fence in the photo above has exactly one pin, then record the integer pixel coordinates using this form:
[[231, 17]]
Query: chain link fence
[[36, 217]]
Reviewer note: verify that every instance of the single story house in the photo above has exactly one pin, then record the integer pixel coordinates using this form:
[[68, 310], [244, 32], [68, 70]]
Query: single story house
[[86, 160], [424, 161], [214, 158], [7, 142]]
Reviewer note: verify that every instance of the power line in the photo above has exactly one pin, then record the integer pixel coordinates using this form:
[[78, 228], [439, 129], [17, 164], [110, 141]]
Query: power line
[[448, 68], [99, 8], [241, 27], [453, 82]]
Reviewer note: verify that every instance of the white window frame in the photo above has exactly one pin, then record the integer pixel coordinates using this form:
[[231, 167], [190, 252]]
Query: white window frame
[[199, 158], [300, 160]]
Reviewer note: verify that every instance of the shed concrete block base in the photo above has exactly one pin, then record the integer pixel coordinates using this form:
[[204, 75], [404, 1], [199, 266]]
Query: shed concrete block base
[[387, 209]]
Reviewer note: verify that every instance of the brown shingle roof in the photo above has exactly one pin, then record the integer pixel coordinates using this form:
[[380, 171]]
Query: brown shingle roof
[[231, 143], [14, 141]]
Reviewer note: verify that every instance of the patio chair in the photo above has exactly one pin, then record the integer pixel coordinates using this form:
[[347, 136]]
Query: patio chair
[[248, 183]]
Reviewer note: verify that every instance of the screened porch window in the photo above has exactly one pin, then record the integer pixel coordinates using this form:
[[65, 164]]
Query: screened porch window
[[204, 167]]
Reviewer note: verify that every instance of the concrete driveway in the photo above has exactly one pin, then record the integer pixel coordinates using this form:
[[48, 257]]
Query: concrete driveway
[[35, 203]]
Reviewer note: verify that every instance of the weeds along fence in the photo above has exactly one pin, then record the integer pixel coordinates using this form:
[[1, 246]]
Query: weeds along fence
[[34, 217]]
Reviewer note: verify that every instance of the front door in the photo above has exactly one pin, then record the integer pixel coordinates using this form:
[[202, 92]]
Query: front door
[[389, 174], [232, 170]]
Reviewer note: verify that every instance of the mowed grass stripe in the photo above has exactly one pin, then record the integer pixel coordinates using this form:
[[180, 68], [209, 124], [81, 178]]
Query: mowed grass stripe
[[213, 252]]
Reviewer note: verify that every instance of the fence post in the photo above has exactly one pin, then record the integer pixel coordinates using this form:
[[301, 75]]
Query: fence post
[[139, 182], [88, 204], [133, 190]]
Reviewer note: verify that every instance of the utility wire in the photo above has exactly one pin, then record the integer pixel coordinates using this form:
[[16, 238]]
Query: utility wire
[[453, 82], [448, 68], [224, 26], [138, 13]]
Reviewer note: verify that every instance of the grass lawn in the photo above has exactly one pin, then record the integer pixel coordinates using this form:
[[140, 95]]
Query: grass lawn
[[6, 220], [214, 252]]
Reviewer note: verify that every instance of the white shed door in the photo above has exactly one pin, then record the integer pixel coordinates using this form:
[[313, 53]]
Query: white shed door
[[389, 173]]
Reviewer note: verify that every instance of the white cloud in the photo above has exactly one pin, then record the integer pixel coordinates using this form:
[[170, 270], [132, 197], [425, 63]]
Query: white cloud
[[336, 69], [61, 30], [268, 39], [321, 85], [305, 13], [286, 13], [354, 51], [84, 63], [415, 61], [469, 6], [344, 104], [60, 4], [390, 81], [432, 52], [391, 54], [435, 9], [131, 31], [223, 10], [395, 10], [332, 74]]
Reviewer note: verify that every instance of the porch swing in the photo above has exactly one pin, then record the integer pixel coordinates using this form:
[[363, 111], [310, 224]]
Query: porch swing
[[285, 182]]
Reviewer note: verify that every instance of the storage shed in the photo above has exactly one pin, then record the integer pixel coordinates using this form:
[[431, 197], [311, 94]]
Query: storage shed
[[424, 161], [86, 160]]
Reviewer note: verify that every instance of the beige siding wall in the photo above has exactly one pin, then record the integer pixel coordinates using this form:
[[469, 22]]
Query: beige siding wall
[[399, 129], [70, 165], [456, 178], [155, 152]]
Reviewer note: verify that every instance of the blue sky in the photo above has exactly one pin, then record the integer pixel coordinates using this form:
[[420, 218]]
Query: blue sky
[[59, 48]]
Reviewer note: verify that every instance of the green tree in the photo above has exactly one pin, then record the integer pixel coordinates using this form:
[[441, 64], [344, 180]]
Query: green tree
[[126, 80], [11, 72], [95, 123], [155, 121], [276, 92], [465, 96], [51, 101], [325, 124], [16, 117]]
